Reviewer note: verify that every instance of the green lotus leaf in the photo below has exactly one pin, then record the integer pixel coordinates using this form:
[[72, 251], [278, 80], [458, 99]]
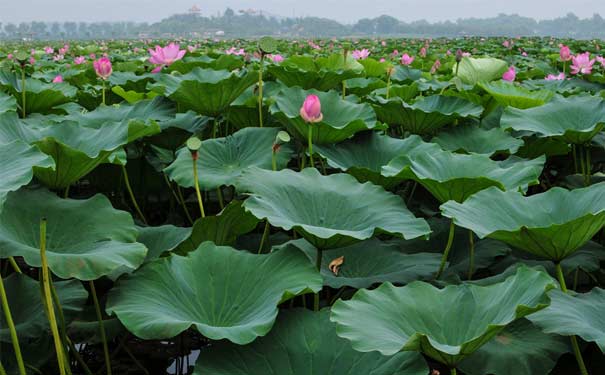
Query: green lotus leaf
[[405, 74], [323, 73], [576, 119], [19, 158], [40, 97], [7, 103], [159, 240], [243, 112], [206, 91], [341, 118], [222, 229], [452, 176], [36, 352], [580, 314], [509, 94], [407, 93], [222, 62], [551, 225], [23, 294], [472, 71], [222, 292], [325, 210], [371, 262], [421, 317], [374, 68], [364, 155], [477, 140], [520, 349], [303, 342], [222, 160], [86, 239], [426, 115]]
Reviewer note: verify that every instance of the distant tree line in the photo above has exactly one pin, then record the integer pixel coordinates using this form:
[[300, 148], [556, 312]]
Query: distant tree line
[[231, 24]]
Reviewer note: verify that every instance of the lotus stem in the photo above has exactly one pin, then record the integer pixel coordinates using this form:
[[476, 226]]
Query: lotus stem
[[103, 93], [14, 264], [23, 92], [182, 202], [197, 187], [453, 371], [274, 161], [575, 158], [344, 90], [312, 164], [3, 371], [388, 86], [221, 201], [260, 91], [450, 241], [318, 265], [131, 194], [12, 329], [62, 326], [588, 165], [101, 326], [48, 301], [77, 356], [264, 237], [471, 242], [574, 340]]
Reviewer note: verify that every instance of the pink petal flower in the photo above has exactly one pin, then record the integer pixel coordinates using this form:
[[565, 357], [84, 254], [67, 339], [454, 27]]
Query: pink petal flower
[[311, 109], [58, 79], [564, 53], [103, 68], [407, 59], [581, 63], [510, 74]]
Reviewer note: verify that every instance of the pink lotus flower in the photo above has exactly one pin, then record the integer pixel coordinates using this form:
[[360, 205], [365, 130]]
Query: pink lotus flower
[[510, 74], [191, 49], [524, 54], [276, 58], [581, 63], [49, 50], [564, 53], [422, 52], [32, 61], [311, 109], [79, 60], [601, 60], [407, 59], [58, 79], [103, 67], [395, 53], [9, 56], [165, 56], [436, 66], [360, 54], [383, 43], [233, 51], [552, 77], [382, 60], [507, 44]]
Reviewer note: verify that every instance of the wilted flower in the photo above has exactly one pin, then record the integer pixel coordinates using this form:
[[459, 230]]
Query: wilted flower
[[103, 67], [360, 54], [407, 59], [165, 56], [311, 109], [581, 63], [510, 74]]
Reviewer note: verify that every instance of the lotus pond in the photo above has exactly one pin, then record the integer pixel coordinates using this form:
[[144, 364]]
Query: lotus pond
[[384, 207]]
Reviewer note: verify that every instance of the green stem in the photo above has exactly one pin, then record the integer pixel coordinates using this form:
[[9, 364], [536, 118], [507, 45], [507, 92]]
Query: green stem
[[95, 299], [103, 91], [388, 86], [471, 267], [14, 264], [312, 164], [344, 90], [131, 194], [78, 358], [263, 238], [62, 326], [574, 340], [575, 158], [450, 241], [274, 161], [197, 187], [582, 166], [48, 301], [318, 266], [453, 372], [3, 371], [588, 165], [221, 201], [260, 92], [182, 202], [12, 329], [23, 92]]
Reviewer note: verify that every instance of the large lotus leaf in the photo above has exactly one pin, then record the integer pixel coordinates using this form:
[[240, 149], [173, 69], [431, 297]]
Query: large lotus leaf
[[426, 115], [301, 343], [508, 94], [222, 62], [551, 225], [364, 155], [452, 176], [580, 314], [222, 229], [19, 158], [222, 292], [407, 93], [406, 74], [86, 239], [206, 91], [520, 349], [421, 317], [474, 70], [363, 86], [40, 97], [36, 352], [341, 118], [371, 262], [23, 294], [7, 103], [159, 240], [322, 74], [328, 211], [222, 160], [575, 119], [477, 140]]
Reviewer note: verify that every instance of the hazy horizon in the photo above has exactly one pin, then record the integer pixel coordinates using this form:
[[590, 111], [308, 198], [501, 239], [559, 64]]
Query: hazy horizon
[[348, 11]]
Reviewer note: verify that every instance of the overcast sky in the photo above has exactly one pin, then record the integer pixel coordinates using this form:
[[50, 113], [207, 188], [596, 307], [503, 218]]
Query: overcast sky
[[346, 11]]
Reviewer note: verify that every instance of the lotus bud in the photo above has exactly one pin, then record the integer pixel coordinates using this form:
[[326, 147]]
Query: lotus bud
[[311, 109]]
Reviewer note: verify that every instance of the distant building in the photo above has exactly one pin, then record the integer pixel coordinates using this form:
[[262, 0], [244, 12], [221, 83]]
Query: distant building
[[195, 10]]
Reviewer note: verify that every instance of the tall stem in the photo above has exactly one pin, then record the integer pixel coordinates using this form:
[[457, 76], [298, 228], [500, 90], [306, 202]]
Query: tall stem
[[263, 238], [2, 370], [48, 301], [471, 242], [450, 241], [23, 92], [312, 164], [574, 340], [12, 329], [588, 165], [103, 93], [131, 194], [274, 161], [453, 372], [575, 158], [14, 264], [260, 92], [197, 187], [318, 265], [101, 326], [221, 201]]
